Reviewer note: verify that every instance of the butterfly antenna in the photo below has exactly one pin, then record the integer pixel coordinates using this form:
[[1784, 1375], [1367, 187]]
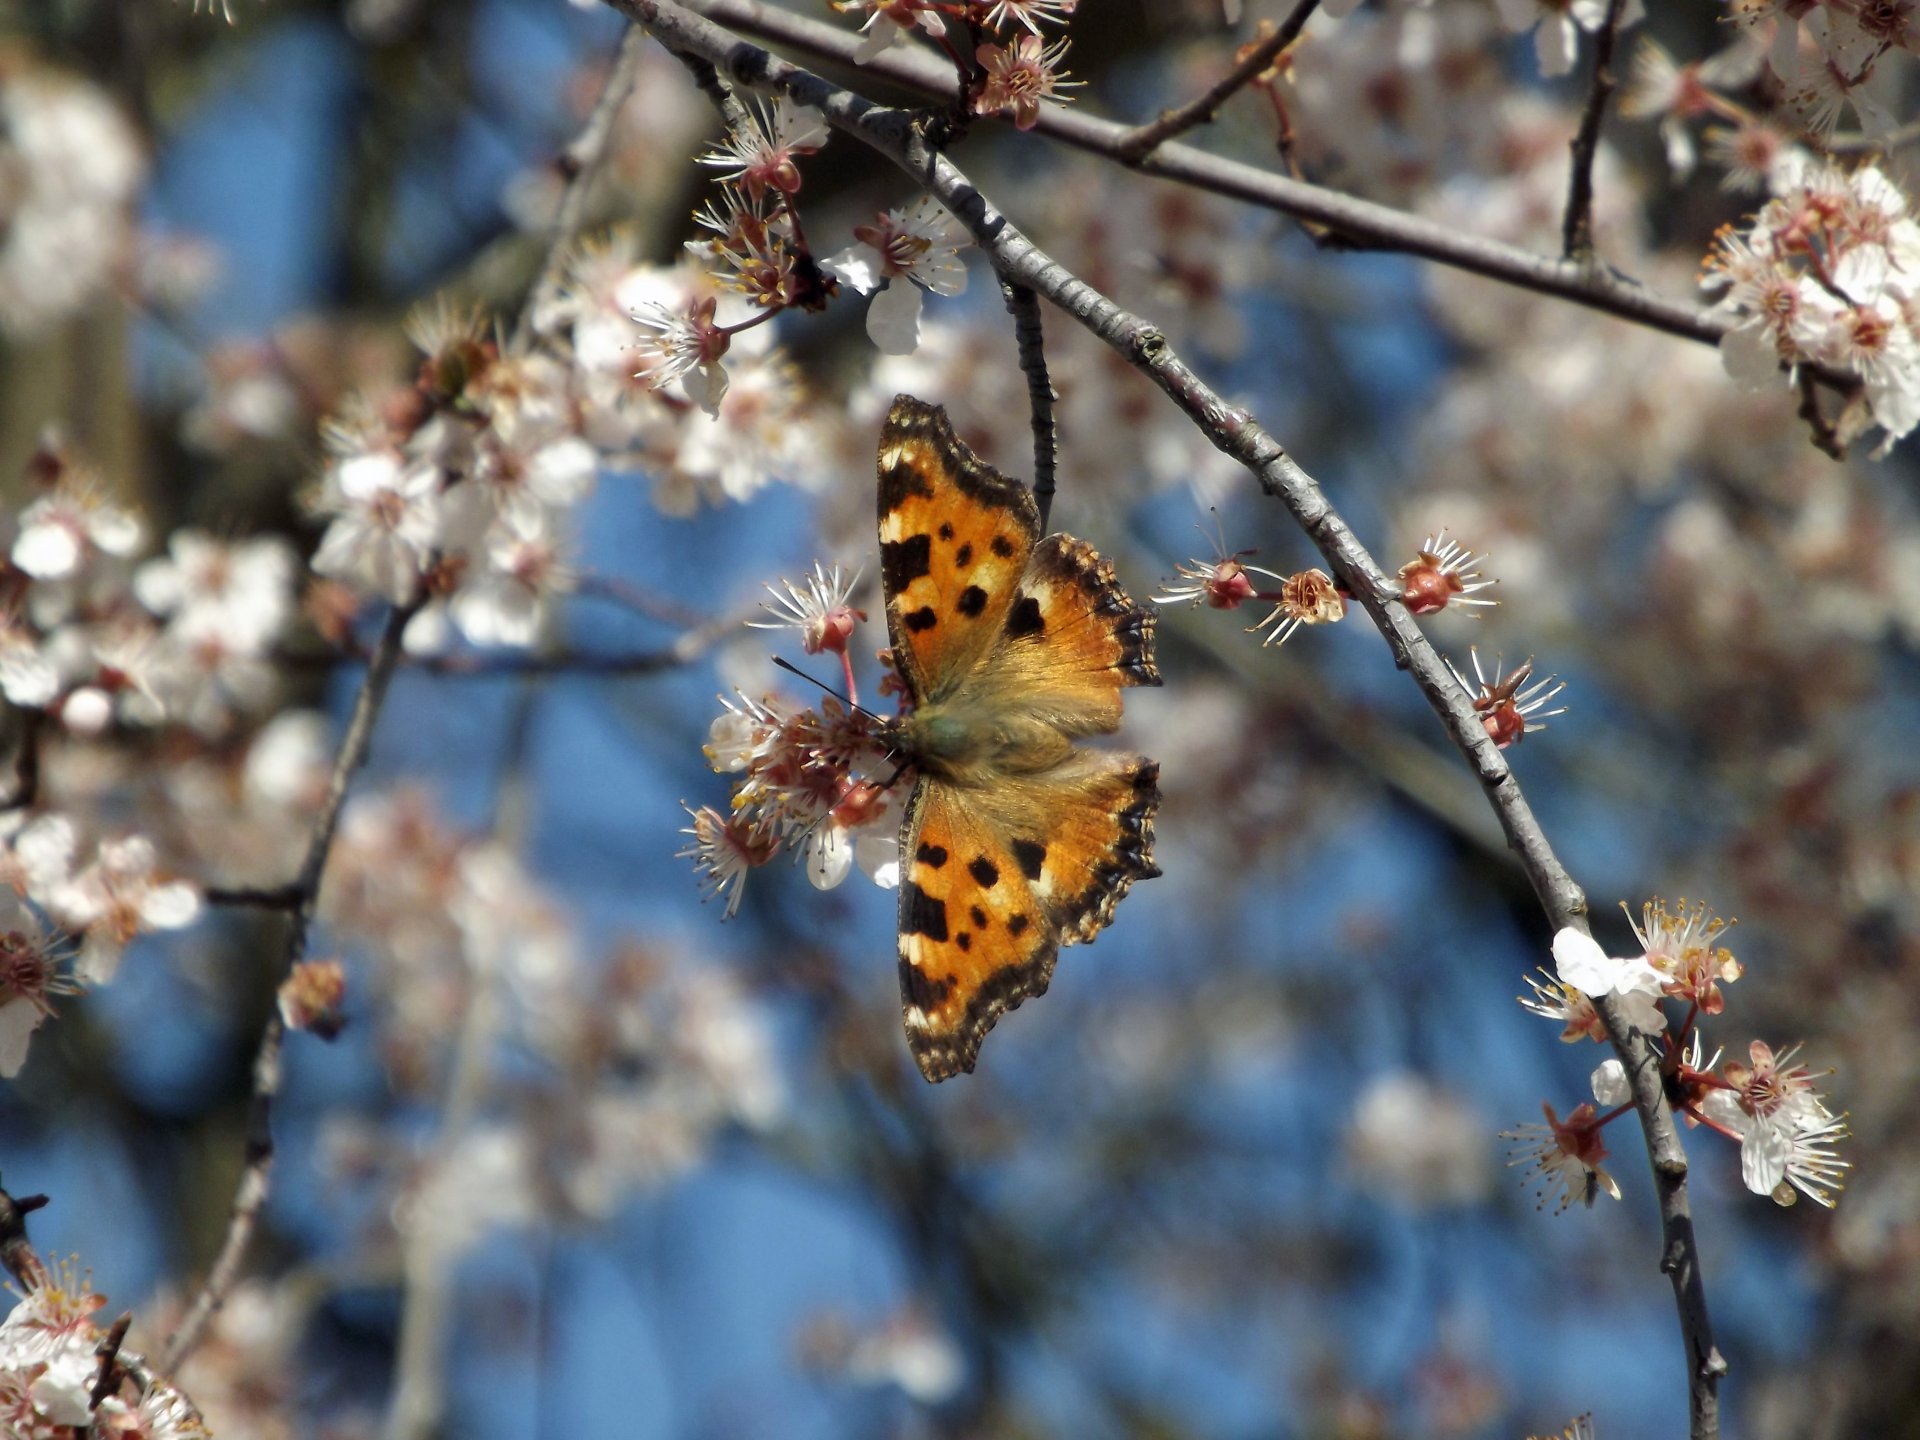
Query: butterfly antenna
[[812, 680]]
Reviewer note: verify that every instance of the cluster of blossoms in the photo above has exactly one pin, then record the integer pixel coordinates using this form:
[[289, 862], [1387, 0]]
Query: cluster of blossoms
[[71, 166], [806, 776], [1827, 55], [52, 1353], [103, 646], [646, 1060], [457, 494], [756, 262], [1825, 274], [1009, 73], [1768, 1105], [95, 641]]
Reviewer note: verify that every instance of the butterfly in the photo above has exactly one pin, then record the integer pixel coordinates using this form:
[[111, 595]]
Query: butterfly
[[1010, 648]]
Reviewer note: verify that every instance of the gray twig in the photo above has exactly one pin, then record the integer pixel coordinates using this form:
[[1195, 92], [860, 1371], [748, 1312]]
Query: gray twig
[[1236, 433]]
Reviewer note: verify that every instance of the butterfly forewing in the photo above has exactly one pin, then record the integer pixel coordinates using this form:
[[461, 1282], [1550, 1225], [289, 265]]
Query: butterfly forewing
[[955, 535]]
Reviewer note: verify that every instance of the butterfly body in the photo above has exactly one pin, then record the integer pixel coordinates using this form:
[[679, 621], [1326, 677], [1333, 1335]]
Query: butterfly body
[[1011, 648]]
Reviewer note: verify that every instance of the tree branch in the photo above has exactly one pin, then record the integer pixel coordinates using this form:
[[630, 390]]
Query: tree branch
[[1027, 336], [1142, 140], [250, 1197], [1379, 227], [1576, 227], [577, 164], [1236, 433]]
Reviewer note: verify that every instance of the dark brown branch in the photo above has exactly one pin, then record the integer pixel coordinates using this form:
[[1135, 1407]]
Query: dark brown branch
[[250, 1196], [1143, 140], [23, 1262], [576, 165], [1027, 336], [108, 1351], [1576, 227], [26, 761], [492, 665], [273, 897], [1236, 433], [1379, 227]]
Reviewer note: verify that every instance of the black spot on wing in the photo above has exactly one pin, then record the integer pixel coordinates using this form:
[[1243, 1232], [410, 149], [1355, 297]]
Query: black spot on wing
[[946, 531], [1002, 547], [921, 619], [921, 990], [972, 601], [964, 940], [963, 557], [921, 914], [1017, 924], [1030, 855], [978, 916], [933, 856], [983, 871], [1025, 618], [904, 561]]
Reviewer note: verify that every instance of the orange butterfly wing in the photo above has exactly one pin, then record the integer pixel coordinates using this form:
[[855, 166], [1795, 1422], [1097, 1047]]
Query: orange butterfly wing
[[986, 899], [955, 535], [1010, 648]]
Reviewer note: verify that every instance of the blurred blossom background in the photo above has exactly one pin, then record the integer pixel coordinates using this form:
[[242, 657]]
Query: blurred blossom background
[[584, 1156]]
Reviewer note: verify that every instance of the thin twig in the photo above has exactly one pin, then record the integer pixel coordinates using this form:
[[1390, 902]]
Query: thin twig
[[493, 665], [250, 1196], [1235, 432], [1142, 140], [1027, 336], [257, 897], [576, 165], [1576, 227], [108, 1353], [26, 762]]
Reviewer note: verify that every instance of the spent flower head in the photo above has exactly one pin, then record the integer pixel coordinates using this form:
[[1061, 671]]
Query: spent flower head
[[818, 610], [1308, 598], [1509, 707], [1564, 1157], [724, 850], [1224, 583], [1442, 574]]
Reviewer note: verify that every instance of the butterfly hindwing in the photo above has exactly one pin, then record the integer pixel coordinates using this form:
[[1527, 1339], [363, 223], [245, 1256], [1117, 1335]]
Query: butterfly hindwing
[[1072, 640], [991, 887], [955, 537], [969, 950]]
